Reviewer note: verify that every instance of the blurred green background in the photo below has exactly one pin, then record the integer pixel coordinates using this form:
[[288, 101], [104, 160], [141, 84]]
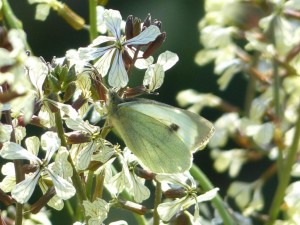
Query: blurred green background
[[180, 21]]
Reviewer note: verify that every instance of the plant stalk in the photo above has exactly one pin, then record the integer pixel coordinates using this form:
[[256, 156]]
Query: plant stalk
[[286, 170], [217, 201]]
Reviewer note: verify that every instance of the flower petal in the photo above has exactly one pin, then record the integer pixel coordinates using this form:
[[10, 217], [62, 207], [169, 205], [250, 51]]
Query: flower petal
[[167, 210], [23, 190], [50, 142], [167, 59], [33, 144], [91, 53], [11, 150], [100, 40], [84, 157], [113, 20], [117, 76], [63, 188], [154, 77], [148, 35], [103, 64]]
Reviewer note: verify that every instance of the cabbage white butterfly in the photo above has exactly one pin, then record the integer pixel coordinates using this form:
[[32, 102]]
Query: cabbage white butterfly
[[161, 136]]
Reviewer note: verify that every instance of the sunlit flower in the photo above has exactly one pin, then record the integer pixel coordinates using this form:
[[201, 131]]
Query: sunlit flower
[[127, 179], [83, 152], [50, 143], [232, 159], [169, 209], [155, 73], [248, 196], [5, 131], [96, 210], [117, 76]]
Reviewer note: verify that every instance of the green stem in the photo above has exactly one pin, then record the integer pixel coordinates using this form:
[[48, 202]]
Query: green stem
[[11, 20], [70, 210], [93, 19], [89, 184], [9, 16], [157, 201], [250, 93], [276, 90], [99, 185], [286, 170], [75, 178], [217, 201]]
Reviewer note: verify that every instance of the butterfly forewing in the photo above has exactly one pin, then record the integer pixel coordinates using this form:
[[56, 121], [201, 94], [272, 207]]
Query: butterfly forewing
[[161, 136]]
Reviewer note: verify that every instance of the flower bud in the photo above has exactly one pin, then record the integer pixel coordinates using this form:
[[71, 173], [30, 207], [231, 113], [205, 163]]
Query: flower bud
[[154, 45], [77, 137], [136, 27], [147, 21], [79, 102], [132, 206], [175, 193], [129, 27], [140, 172], [71, 17], [70, 90], [5, 198], [157, 23]]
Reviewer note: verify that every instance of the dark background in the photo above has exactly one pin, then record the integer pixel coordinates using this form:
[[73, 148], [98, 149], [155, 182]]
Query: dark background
[[180, 20]]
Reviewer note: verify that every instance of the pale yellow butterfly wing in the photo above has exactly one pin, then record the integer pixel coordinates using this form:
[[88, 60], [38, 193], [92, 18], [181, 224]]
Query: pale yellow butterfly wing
[[161, 136]]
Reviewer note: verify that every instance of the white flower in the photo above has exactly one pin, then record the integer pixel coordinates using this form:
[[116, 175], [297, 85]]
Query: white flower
[[83, 152], [167, 210], [97, 210], [117, 75], [232, 160], [5, 131], [127, 179], [155, 73], [50, 143], [248, 196]]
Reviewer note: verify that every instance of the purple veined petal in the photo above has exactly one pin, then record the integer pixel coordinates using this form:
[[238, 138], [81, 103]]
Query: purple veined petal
[[91, 53], [103, 64], [63, 188], [23, 190], [113, 20], [11, 150], [100, 40], [144, 37], [117, 76]]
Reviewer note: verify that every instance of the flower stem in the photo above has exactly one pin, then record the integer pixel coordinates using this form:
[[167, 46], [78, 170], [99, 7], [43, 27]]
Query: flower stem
[[217, 201], [157, 201], [286, 170], [93, 19], [75, 178], [276, 90], [99, 185], [11, 20], [17, 164]]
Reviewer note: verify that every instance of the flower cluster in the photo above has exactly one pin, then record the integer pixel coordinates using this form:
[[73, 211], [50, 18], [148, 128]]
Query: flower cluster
[[67, 100], [260, 42]]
